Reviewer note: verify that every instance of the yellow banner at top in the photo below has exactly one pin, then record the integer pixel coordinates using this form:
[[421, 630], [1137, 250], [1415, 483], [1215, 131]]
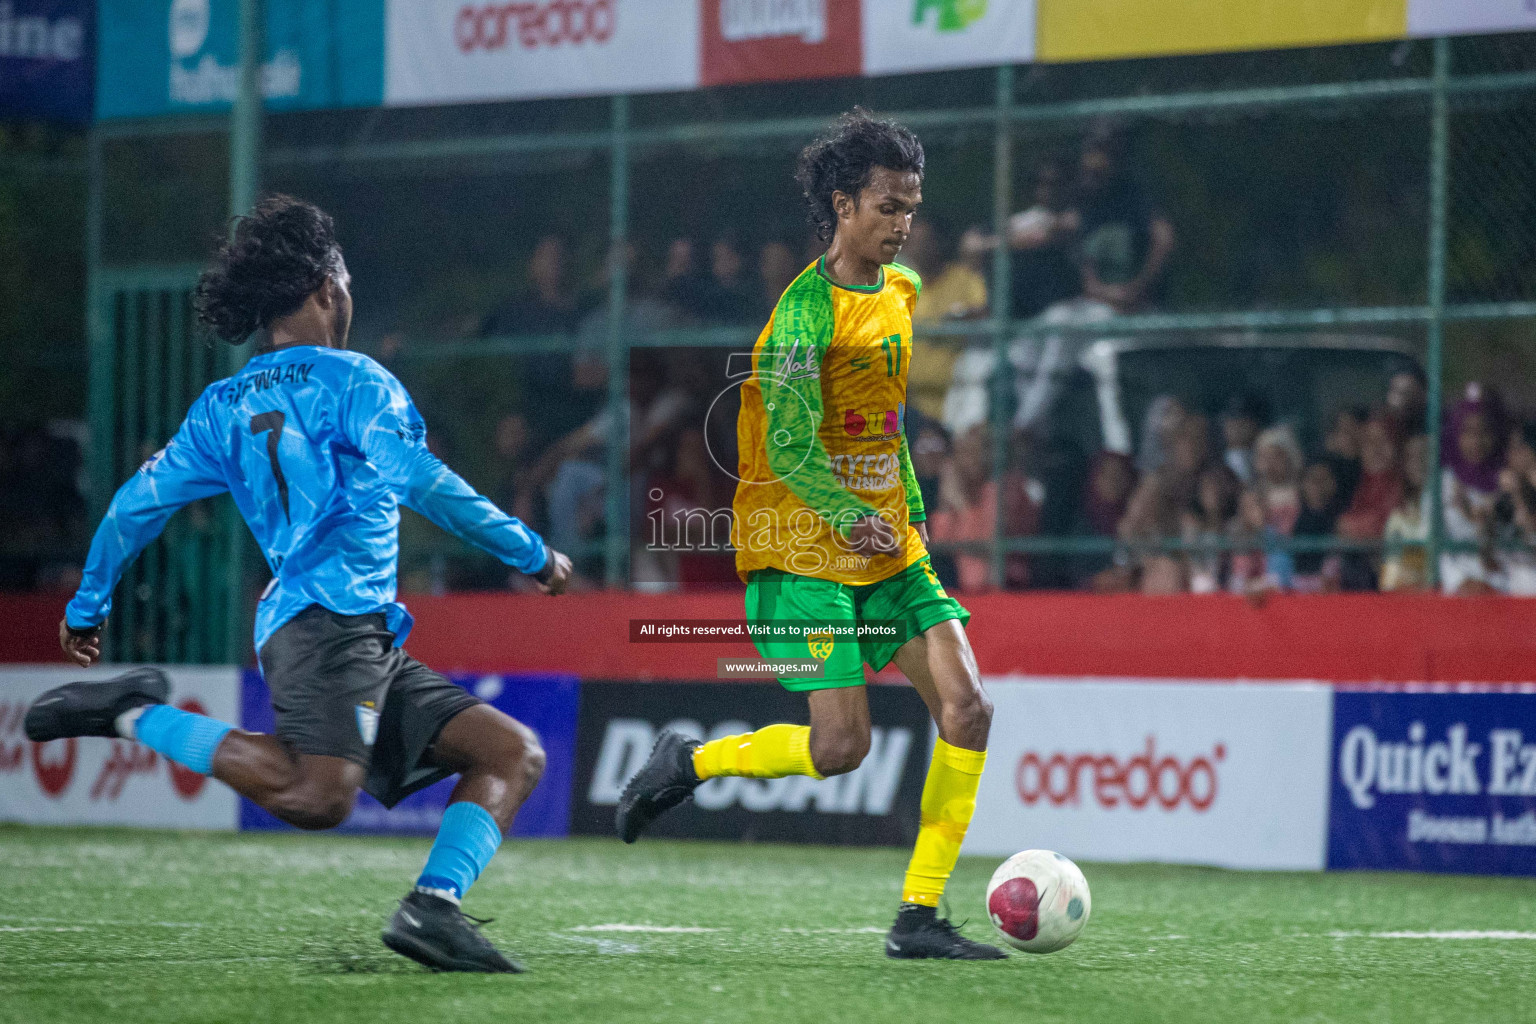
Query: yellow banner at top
[[1067, 30]]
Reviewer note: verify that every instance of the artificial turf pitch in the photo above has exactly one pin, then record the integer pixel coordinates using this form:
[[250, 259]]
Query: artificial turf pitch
[[119, 926]]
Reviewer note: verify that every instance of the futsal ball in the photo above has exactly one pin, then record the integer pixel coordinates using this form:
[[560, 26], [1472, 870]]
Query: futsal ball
[[1039, 901]]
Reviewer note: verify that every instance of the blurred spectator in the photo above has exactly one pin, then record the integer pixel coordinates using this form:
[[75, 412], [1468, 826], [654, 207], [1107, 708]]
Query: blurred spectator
[[1126, 242], [931, 452], [1317, 571], [1157, 507], [1407, 400], [1407, 567], [1473, 455], [1043, 237], [43, 530], [1341, 449], [510, 469], [725, 297], [1111, 481], [547, 305], [1514, 535], [777, 269], [1210, 521], [1242, 418], [684, 287], [687, 518], [967, 511], [573, 472], [1379, 491], [1277, 478], [952, 290], [644, 313], [1165, 417]]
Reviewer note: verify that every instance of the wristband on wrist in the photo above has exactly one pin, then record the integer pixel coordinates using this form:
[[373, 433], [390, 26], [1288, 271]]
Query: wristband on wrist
[[547, 573], [83, 630]]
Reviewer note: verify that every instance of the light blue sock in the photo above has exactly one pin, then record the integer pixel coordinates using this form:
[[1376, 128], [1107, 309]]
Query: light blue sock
[[466, 841], [183, 736]]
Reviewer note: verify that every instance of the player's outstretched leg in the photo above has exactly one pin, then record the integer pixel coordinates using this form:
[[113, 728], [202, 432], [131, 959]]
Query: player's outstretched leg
[[942, 668], [679, 764], [130, 706], [500, 761], [93, 709]]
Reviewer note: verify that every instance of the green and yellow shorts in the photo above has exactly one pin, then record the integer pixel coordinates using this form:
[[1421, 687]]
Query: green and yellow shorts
[[912, 600]]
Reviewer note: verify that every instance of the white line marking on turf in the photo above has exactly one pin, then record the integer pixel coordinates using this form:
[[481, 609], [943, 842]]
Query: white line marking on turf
[[669, 929], [1497, 936], [833, 931], [40, 928]]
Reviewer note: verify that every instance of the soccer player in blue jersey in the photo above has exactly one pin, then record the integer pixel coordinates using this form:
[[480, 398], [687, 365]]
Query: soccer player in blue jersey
[[319, 447]]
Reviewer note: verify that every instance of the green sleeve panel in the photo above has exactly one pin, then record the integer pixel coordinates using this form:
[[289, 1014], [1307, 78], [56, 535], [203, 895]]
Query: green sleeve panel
[[910, 275], [789, 374], [915, 511]]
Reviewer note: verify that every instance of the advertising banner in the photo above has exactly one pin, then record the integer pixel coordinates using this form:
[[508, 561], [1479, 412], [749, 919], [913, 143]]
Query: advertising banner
[[182, 56], [925, 35], [1069, 30], [1468, 17], [47, 59], [544, 703], [1434, 782], [874, 805], [1190, 773], [94, 781], [777, 40], [443, 51]]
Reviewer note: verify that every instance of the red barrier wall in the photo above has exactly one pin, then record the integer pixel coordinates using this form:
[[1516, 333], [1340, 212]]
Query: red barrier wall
[[1343, 638]]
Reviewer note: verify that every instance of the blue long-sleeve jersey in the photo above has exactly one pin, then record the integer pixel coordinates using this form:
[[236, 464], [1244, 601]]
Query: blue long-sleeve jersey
[[318, 447]]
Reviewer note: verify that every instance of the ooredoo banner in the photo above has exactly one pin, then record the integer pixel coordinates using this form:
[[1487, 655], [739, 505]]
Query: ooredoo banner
[[47, 54], [926, 35], [544, 703], [1193, 773], [96, 781], [875, 804], [444, 51], [1434, 782]]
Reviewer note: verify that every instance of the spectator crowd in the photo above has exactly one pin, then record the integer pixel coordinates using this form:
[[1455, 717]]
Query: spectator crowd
[[1202, 499]]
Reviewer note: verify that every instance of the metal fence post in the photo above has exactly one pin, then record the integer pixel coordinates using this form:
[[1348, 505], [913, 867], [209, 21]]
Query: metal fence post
[[1001, 303], [1435, 356], [99, 339], [244, 184], [617, 547]]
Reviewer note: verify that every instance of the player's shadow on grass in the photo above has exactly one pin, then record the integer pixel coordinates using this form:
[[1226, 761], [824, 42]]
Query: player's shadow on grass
[[360, 953]]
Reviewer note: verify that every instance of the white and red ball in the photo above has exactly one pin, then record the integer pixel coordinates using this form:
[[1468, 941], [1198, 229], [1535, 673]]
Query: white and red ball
[[1039, 901]]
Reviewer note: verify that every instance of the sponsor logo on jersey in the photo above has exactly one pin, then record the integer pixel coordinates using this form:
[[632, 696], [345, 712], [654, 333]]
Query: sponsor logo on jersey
[[950, 15], [873, 472], [801, 362], [859, 363], [883, 425]]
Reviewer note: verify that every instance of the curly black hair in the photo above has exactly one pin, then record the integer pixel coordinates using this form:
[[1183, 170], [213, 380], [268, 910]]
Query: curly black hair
[[843, 159], [275, 257]]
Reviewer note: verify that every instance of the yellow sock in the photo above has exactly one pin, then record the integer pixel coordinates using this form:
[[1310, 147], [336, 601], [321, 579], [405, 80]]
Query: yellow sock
[[949, 800], [772, 752]]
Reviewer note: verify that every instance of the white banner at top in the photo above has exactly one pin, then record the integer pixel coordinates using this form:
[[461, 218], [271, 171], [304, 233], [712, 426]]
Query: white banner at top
[[443, 51], [1469, 17], [925, 35]]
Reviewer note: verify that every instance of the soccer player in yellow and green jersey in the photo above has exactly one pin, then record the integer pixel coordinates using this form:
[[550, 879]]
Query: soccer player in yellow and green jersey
[[829, 529]]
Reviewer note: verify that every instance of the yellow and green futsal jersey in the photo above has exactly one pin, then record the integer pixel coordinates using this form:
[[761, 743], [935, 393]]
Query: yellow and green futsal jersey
[[821, 430], [822, 445]]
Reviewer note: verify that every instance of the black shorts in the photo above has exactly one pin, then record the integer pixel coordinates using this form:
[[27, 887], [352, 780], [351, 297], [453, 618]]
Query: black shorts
[[342, 689]]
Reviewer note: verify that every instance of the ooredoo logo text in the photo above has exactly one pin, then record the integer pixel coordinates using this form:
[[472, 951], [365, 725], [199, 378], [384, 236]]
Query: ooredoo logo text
[[1146, 779], [532, 25]]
